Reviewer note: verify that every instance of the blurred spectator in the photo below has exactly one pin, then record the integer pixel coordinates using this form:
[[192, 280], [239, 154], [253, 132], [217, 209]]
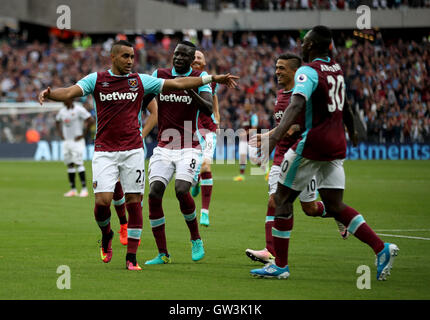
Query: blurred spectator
[[388, 82]]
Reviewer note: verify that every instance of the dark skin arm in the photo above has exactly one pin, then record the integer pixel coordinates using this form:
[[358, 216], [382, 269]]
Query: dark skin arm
[[297, 105], [204, 101], [348, 120]]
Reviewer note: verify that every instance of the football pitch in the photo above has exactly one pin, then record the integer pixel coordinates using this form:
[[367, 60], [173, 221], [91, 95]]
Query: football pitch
[[40, 231]]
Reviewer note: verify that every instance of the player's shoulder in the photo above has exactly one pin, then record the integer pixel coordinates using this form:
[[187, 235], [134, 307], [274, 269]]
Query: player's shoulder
[[197, 73], [61, 111], [323, 65], [305, 73], [162, 73]]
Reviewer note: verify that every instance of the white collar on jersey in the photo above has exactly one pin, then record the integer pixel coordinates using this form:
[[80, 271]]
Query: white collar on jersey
[[118, 75]]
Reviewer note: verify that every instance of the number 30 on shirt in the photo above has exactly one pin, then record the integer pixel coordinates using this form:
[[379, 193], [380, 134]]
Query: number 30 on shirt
[[336, 92]]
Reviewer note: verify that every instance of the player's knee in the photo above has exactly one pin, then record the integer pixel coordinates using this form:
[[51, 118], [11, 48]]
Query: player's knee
[[156, 190], [206, 167], [334, 208], [103, 199], [310, 208], [283, 205], [272, 203], [132, 197], [182, 188]]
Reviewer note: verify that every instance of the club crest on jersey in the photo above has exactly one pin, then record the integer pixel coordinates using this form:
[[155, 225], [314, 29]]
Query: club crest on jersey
[[132, 82], [94, 184], [302, 77]]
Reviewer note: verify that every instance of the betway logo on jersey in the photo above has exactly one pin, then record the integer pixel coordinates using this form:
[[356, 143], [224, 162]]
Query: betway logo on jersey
[[118, 96], [174, 98]]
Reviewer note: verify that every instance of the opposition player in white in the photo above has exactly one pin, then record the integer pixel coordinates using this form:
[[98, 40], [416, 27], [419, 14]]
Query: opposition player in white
[[249, 120], [73, 122]]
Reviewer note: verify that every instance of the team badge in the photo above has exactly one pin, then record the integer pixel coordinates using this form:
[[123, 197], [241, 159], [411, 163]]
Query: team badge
[[132, 82], [105, 84], [302, 77], [94, 184]]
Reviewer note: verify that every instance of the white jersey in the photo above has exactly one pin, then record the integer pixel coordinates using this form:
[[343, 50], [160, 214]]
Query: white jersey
[[72, 121]]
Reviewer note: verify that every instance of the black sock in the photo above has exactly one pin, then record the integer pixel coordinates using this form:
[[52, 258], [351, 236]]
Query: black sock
[[82, 177], [72, 179], [131, 257]]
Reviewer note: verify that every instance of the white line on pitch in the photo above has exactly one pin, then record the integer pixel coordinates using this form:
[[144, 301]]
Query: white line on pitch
[[401, 230], [400, 236]]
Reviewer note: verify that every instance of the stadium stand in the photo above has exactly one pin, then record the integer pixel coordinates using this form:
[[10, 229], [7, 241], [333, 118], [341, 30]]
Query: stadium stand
[[388, 82], [265, 5]]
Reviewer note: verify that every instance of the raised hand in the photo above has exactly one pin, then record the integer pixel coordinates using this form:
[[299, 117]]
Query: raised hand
[[44, 94], [226, 79]]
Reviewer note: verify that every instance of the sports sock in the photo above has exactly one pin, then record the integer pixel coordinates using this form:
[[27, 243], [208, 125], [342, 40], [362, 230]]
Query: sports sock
[[206, 185], [242, 168], [102, 216], [158, 223], [119, 203], [81, 170], [134, 227], [358, 227], [188, 209], [270, 219], [71, 172], [131, 257], [281, 239]]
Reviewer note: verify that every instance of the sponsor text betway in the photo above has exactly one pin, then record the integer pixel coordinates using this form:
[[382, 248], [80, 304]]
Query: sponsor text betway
[[118, 96]]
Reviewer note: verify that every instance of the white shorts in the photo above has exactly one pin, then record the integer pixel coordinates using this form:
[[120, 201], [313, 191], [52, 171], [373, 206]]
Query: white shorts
[[128, 165], [186, 163], [73, 151], [296, 172], [309, 194], [210, 145]]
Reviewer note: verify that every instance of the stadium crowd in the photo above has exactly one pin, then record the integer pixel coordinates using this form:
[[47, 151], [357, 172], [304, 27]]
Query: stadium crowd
[[387, 82], [299, 4]]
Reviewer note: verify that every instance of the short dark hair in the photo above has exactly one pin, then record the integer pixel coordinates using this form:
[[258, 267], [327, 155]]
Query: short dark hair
[[322, 37], [294, 60], [188, 43], [121, 43]]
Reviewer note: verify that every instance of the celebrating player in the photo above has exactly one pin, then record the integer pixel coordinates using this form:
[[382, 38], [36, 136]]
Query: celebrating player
[[118, 199], [319, 93], [178, 151], [207, 126], [286, 66], [73, 123], [118, 95]]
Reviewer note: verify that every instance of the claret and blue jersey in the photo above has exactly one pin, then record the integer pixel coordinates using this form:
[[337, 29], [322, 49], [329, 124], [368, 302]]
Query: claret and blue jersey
[[321, 83], [177, 113], [118, 101]]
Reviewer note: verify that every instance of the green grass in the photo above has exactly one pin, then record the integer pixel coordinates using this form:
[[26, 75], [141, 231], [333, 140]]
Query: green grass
[[41, 230]]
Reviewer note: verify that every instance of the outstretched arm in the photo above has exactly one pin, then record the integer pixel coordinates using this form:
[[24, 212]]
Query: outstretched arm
[[60, 94], [195, 82]]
